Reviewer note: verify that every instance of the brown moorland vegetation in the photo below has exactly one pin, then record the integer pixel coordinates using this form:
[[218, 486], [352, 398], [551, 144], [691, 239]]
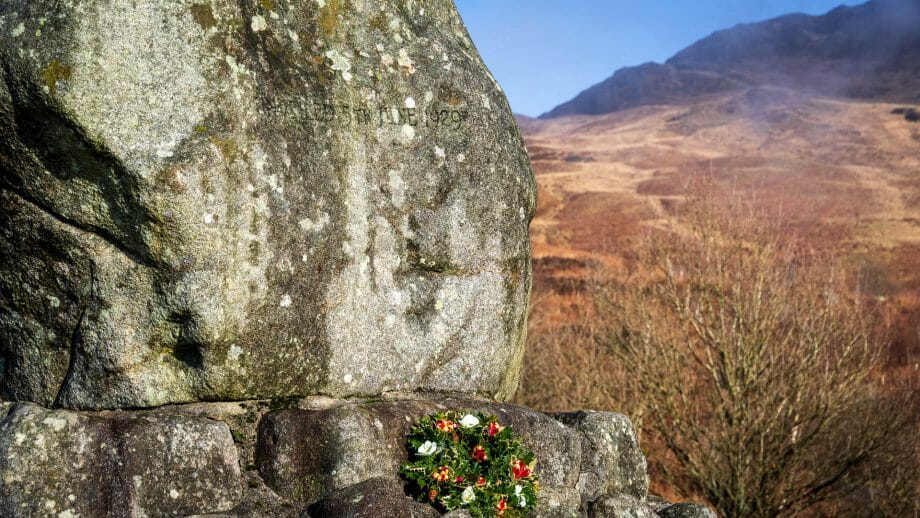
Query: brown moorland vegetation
[[840, 179]]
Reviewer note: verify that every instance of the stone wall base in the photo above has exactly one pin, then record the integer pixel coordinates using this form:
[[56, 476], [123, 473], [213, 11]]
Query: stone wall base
[[307, 457]]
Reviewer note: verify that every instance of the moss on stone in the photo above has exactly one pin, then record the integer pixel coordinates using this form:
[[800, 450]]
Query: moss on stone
[[227, 147], [282, 403], [255, 222], [329, 17], [451, 95], [238, 436], [53, 72], [379, 22], [203, 15], [167, 177]]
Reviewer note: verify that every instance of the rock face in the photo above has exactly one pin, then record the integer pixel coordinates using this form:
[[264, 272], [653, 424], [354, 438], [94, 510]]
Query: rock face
[[612, 462], [216, 200]]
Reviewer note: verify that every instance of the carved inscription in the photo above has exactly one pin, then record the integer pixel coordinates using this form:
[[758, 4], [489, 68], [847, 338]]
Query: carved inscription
[[441, 116]]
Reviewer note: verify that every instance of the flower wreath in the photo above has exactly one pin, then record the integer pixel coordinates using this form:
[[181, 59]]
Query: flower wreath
[[470, 461]]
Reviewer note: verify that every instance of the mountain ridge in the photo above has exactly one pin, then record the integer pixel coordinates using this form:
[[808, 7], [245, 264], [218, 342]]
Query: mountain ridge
[[870, 51]]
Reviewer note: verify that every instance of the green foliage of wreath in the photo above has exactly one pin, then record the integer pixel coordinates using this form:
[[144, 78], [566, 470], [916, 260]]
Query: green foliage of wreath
[[470, 461]]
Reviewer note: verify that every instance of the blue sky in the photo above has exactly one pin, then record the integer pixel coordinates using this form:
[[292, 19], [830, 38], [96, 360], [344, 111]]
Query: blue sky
[[543, 52]]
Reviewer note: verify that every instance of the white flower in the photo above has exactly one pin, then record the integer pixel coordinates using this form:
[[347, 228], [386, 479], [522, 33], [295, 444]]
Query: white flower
[[468, 496], [469, 421], [427, 448], [522, 500]]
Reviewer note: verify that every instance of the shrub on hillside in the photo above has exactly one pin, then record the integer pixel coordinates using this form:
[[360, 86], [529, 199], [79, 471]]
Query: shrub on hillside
[[755, 365], [751, 368]]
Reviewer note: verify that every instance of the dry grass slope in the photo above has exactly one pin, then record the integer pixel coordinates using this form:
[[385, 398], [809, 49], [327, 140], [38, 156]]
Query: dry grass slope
[[841, 178]]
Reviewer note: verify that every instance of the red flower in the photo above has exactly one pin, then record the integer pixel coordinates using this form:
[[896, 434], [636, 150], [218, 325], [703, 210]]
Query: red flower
[[478, 453], [519, 469], [432, 494], [501, 506], [494, 429], [481, 481], [442, 474], [445, 425], [458, 480]]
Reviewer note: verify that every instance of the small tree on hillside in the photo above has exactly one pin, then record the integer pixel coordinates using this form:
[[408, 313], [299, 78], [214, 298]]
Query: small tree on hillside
[[754, 362]]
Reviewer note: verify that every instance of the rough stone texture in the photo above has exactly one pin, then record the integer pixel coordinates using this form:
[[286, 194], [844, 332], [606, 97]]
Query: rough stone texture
[[620, 506], [613, 463], [656, 502], [373, 498], [53, 461], [287, 458], [305, 454], [63, 463], [257, 499], [687, 510], [261, 199]]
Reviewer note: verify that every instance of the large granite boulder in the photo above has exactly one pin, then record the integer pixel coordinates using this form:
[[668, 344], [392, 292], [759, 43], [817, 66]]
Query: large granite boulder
[[220, 200]]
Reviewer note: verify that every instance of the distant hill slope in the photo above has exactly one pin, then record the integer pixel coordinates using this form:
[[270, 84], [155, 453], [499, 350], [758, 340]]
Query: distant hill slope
[[870, 51]]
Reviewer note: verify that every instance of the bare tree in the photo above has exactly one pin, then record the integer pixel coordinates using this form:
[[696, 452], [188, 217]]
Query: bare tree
[[754, 362]]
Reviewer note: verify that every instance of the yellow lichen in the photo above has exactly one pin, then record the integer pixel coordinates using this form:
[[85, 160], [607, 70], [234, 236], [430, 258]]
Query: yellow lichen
[[268, 5]]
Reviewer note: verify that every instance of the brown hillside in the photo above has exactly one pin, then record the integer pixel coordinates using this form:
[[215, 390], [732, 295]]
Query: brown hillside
[[844, 175]]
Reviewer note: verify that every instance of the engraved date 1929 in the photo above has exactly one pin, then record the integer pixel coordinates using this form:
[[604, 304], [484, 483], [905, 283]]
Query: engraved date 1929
[[435, 117]]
